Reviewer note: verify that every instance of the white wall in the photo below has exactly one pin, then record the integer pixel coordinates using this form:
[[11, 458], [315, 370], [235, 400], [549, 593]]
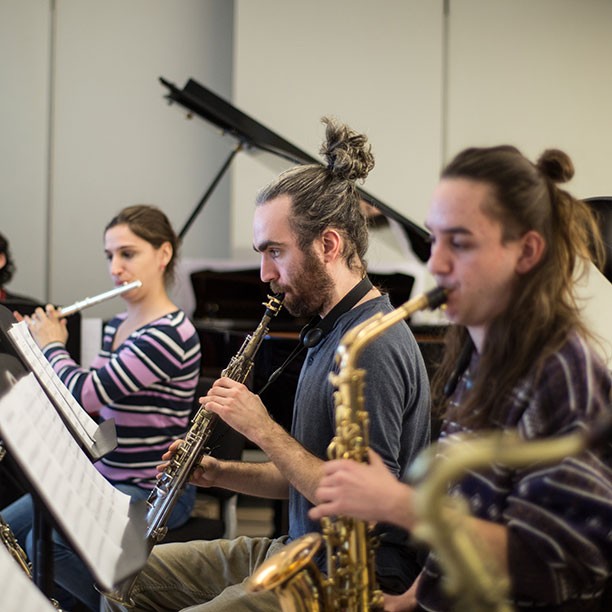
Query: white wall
[[424, 84], [536, 75], [375, 65], [24, 69], [114, 140]]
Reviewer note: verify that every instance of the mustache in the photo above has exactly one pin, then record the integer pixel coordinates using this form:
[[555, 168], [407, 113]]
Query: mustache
[[276, 288]]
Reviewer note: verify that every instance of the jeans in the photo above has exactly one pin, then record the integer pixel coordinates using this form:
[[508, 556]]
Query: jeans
[[203, 575], [70, 574]]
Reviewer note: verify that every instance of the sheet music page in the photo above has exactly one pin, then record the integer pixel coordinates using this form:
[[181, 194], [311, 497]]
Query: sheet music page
[[72, 411], [19, 592], [92, 513]]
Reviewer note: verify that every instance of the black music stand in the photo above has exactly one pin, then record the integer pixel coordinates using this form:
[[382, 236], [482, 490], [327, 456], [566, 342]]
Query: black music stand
[[15, 364], [250, 134], [49, 460]]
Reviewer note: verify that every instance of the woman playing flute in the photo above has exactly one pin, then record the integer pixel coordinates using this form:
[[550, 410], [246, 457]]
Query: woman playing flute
[[144, 378]]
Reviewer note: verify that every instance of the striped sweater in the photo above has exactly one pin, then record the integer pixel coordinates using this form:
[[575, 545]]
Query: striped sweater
[[146, 385], [559, 516]]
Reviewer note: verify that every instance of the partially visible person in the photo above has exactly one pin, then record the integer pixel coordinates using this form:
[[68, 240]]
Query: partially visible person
[[312, 238], [506, 240], [144, 378], [7, 270], [10, 485]]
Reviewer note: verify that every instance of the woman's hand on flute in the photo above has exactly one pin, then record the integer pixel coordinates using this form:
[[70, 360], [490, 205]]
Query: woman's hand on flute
[[46, 326]]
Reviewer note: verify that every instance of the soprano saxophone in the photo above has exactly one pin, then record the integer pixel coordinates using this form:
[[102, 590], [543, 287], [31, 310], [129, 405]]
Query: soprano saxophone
[[187, 456], [351, 584]]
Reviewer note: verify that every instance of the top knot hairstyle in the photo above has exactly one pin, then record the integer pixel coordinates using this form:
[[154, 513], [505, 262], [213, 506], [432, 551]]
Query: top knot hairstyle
[[524, 197], [326, 196]]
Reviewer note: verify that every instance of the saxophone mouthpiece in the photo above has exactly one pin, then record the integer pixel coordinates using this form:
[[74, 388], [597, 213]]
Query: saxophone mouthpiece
[[436, 297]]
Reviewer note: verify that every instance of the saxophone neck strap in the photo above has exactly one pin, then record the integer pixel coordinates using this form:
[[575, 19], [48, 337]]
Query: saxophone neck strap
[[316, 329]]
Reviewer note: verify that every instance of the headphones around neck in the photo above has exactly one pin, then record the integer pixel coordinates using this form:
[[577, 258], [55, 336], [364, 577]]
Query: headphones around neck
[[316, 329]]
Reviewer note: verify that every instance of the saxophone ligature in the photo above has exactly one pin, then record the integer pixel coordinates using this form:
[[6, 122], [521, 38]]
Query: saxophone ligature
[[188, 455], [350, 584]]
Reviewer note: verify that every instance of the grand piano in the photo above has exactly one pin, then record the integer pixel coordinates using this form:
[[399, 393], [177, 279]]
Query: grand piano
[[223, 296]]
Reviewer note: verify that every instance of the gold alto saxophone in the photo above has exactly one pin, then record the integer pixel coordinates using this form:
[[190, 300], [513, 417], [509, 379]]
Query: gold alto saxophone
[[186, 458], [8, 539], [351, 583], [471, 577]]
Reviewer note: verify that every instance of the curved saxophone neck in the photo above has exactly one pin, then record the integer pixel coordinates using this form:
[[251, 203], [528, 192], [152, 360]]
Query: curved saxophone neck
[[357, 339], [470, 577]]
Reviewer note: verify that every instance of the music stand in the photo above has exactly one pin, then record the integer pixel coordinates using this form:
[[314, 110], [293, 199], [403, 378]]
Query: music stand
[[68, 492], [18, 591], [20, 357], [95, 440]]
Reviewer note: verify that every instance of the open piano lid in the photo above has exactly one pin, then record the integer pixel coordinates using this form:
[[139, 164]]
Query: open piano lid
[[252, 134]]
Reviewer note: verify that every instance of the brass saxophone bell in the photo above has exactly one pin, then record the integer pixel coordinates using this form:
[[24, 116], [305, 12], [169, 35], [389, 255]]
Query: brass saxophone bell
[[292, 558]]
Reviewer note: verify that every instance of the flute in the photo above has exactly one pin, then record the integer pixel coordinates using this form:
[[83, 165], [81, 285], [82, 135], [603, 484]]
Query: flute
[[96, 299]]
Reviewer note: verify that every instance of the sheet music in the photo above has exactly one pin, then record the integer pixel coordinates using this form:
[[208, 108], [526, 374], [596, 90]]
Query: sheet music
[[19, 592], [92, 513], [72, 411]]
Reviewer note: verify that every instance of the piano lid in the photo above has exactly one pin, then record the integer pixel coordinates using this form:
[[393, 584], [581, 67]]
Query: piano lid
[[252, 134]]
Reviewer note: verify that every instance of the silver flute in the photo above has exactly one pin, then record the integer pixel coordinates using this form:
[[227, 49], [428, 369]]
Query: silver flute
[[66, 311]]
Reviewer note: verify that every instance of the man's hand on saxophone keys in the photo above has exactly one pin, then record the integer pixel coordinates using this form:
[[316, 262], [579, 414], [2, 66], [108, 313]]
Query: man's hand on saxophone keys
[[205, 474], [241, 409]]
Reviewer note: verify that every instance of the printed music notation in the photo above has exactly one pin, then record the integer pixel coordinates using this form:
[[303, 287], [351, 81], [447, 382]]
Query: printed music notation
[[93, 514], [71, 410]]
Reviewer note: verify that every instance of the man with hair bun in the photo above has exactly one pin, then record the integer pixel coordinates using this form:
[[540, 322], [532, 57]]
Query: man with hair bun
[[312, 238], [507, 244]]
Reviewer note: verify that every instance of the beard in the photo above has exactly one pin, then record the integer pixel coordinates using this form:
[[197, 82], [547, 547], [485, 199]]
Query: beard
[[310, 289]]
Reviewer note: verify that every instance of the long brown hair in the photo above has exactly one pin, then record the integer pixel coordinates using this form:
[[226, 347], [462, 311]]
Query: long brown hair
[[543, 308]]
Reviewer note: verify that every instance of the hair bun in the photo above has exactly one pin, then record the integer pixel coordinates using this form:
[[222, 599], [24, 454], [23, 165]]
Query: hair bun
[[346, 152], [556, 165]]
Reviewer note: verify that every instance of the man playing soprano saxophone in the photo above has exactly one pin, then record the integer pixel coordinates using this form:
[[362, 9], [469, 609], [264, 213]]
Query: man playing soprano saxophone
[[506, 244], [312, 237]]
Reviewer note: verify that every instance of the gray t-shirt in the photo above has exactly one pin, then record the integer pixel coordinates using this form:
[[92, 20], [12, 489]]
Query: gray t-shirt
[[396, 397]]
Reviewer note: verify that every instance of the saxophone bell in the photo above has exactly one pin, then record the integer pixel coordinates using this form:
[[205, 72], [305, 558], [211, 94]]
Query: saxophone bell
[[302, 592]]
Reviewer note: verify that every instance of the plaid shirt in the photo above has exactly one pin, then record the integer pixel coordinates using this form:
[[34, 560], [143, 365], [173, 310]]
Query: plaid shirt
[[559, 517]]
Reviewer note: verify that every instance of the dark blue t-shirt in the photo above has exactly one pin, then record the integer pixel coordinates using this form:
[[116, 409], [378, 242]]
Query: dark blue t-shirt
[[396, 397]]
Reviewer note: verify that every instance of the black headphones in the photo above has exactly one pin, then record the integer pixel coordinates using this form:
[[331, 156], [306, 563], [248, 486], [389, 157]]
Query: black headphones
[[315, 330]]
